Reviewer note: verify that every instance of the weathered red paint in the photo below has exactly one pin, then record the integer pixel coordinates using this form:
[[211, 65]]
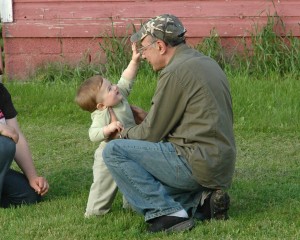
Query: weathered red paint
[[70, 30], [1, 63]]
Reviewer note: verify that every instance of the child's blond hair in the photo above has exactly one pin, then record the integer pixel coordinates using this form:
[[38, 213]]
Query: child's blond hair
[[88, 93]]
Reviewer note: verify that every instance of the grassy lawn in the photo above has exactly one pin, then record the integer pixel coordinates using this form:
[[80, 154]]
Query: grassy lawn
[[265, 193]]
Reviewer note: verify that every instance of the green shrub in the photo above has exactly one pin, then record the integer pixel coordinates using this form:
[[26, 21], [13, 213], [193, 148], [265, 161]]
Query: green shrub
[[268, 55], [271, 52]]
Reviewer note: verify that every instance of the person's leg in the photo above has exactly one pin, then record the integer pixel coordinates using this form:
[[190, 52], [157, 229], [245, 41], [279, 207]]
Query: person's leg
[[154, 179], [7, 153], [103, 189], [17, 191]]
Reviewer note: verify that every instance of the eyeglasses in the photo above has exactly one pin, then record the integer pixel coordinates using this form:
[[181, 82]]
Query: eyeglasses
[[142, 49]]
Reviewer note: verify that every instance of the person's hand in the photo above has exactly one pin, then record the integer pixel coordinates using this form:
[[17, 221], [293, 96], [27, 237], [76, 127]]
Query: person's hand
[[138, 114], [136, 56], [113, 127], [9, 131], [40, 185], [112, 131]]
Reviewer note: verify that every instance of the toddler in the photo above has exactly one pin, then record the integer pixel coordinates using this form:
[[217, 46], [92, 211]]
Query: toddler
[[98, 96]]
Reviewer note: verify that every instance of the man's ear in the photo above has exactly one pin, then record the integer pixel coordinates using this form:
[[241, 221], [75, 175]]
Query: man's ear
[[100, 106], [161, 46]]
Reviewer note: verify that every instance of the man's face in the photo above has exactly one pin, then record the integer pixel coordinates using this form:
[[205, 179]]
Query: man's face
[[150, 51]]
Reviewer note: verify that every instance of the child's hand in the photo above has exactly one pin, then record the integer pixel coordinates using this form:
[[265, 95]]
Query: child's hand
[[112, 128], [135, 54], [115, 126]]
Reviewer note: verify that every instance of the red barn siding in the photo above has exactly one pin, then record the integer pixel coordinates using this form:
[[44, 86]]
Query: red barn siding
[[1, 63], [70, 30]]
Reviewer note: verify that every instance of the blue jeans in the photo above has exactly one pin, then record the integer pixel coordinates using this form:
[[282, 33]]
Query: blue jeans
[[153, 178], [14, 186]]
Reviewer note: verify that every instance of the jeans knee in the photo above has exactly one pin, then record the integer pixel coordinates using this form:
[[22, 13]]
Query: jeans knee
[[32, 198], [113, 152], [27, 198], [17, 191], [109, 150], [7, 147]]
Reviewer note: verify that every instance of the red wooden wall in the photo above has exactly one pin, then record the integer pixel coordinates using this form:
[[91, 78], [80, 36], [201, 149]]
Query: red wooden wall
[[70, 30]]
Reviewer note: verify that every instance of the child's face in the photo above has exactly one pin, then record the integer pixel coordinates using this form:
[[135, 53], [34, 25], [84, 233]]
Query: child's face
[[110, 94]]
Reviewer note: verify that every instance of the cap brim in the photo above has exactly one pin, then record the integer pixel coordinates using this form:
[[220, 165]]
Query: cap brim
[[138, 36]]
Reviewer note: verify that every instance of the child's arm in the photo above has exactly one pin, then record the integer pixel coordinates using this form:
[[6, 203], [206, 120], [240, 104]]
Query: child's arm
[[101, 129], [132, 68], [111, 128]]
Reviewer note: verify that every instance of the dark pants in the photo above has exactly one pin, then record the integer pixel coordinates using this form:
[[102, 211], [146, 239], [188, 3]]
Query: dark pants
[[14, 186]]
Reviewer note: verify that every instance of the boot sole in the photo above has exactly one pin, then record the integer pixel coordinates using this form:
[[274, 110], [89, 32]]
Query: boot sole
[[183, 226]]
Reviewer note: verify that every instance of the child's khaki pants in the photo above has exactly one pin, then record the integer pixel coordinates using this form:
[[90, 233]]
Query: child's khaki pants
[[103, 189]]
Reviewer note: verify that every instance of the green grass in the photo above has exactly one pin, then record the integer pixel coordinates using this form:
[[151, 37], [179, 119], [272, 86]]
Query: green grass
[[265, 192]]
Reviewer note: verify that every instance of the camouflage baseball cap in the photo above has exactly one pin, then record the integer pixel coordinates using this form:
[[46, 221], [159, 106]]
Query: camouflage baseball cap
[[165, 27]]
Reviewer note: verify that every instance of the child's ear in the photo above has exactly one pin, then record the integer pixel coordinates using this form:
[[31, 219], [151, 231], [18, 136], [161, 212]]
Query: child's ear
[[100, 106]]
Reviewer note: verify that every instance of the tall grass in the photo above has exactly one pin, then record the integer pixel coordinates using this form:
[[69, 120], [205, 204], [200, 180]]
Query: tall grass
[[212, 47], [271, 52], [58, 72], [117, 52]]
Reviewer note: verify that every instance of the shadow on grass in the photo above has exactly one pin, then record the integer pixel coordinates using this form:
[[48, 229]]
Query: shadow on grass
[[69, 182]]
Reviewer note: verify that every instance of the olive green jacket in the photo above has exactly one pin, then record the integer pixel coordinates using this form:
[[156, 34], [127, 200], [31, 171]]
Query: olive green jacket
[[192, 109]]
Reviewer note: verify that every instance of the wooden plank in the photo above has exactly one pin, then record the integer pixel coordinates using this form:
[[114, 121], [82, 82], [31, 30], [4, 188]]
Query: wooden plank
[[226, 27], [144, 10], [51, 1], [1, 63], [87, 1]]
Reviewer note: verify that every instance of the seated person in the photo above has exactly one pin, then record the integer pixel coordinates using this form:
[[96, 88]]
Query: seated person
[[16, 188]]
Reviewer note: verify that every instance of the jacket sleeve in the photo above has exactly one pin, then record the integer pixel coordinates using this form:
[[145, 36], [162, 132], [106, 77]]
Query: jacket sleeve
[[166, 110], [99, 120], [125, 86]]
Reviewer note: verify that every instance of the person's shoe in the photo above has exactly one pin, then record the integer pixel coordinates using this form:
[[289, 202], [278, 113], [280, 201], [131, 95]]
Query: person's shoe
[[170, 224], [214, 207]]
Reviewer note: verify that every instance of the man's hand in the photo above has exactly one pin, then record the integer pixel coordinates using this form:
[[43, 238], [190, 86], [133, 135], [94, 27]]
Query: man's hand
[[138, 114], [9, 131], [40, 185]]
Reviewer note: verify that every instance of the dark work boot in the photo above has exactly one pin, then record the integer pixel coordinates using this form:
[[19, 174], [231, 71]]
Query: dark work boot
[[170, 224], [214, 207]]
